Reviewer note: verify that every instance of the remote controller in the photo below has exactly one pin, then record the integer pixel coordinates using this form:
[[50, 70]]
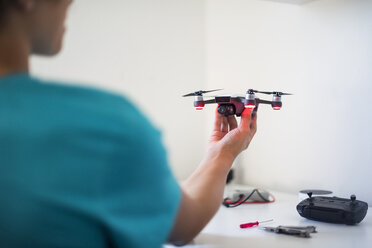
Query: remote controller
[[333, 209]]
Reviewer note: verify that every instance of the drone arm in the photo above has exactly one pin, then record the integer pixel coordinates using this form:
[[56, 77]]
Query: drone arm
[[210, 101], [258, 101]]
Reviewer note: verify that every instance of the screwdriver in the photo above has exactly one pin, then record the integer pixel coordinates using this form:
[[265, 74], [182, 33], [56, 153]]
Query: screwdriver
[[252, 224]]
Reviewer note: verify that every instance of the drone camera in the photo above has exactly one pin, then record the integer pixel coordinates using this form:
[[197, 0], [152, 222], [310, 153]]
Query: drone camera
[[226, 109]]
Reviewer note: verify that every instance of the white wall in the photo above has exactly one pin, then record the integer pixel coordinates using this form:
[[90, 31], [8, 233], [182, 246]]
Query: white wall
[[152, 51], [320, 51]]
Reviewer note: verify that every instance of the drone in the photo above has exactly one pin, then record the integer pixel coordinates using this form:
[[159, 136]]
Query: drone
[[235, 105]]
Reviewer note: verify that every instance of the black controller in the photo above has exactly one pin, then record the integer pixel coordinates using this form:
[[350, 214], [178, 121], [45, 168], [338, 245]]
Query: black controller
[[333, 209]]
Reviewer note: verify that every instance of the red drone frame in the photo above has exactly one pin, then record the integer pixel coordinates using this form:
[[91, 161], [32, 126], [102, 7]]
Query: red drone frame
[[235, 105]]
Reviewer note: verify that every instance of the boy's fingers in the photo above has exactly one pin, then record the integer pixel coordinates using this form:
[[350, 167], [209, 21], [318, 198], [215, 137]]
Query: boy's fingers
[[232, 122], [246, 119], [254, 124], [217, 121], [224, 125]]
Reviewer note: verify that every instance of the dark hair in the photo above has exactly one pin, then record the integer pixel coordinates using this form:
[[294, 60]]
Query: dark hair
[[4, 5]]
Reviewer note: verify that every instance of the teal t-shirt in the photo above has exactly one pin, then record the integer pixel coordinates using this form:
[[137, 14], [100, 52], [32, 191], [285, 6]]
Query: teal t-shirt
[[80, 168]]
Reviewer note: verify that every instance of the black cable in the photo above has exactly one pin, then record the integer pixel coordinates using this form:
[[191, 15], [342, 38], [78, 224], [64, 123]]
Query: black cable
[[238, 203], [241, 196], [246, 199]]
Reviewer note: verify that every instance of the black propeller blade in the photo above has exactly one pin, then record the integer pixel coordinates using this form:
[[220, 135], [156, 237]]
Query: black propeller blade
[[200, 92], [281, 94], [272, 93]]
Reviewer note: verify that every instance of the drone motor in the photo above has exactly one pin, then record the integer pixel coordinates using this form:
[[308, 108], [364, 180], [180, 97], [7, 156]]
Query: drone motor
[[250, 99], [277, 102], [199, 102]]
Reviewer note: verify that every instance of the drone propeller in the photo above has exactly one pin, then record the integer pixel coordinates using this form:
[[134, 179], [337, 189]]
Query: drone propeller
[[200, 92], [272, 93]]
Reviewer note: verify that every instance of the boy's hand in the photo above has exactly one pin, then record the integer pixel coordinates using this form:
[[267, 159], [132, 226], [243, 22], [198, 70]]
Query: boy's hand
[[228, 138]]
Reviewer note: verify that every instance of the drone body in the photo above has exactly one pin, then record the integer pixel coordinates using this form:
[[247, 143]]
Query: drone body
[[229, 105]]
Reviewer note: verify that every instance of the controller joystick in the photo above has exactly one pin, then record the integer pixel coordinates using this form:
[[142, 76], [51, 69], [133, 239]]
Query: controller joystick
[[310, 199], [353, 200]]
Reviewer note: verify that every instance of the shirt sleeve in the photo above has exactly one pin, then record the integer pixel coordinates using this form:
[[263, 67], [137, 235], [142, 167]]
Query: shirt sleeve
[[141, 194]]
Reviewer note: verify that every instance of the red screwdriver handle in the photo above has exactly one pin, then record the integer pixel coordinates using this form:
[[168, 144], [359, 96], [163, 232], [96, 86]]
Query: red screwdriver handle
[[249, 225]]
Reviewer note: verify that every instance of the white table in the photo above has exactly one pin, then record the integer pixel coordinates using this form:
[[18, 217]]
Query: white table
[[224, 231]]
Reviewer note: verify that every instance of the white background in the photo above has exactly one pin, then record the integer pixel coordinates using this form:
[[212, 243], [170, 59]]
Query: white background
[[322, 52], [155, 51]]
